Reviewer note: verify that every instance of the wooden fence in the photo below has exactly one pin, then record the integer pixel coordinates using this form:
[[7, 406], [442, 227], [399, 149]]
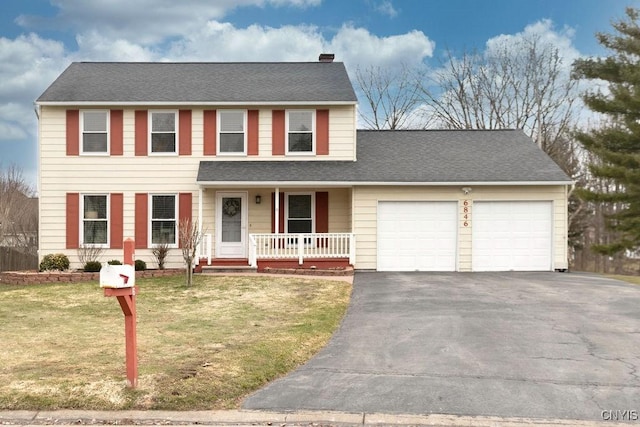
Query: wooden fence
[[14, 260]]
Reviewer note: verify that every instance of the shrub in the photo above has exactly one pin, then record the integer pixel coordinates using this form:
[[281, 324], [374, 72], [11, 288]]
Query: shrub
[[92, 266], [89, 253], [140, 265], [160, 252], [114, 262], [58, 262]]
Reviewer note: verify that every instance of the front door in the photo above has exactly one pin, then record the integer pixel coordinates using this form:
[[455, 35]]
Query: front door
[[231, 225]]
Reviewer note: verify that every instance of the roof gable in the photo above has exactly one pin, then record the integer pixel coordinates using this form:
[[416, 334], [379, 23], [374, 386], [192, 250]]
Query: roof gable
[[167, 82]]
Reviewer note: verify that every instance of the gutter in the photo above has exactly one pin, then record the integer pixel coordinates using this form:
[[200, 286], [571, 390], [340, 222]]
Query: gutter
[[190, 103], [258, 184]]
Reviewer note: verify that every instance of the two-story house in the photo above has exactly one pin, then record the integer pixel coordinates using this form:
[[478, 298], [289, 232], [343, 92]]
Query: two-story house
[[267, 158]]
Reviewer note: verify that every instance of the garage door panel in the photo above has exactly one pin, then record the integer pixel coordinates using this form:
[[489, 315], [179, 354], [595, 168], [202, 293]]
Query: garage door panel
[[510, 236], [417, 236]]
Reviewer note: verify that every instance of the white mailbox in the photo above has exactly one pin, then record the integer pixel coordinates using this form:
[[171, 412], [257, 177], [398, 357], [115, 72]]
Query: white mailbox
[[117, 276]]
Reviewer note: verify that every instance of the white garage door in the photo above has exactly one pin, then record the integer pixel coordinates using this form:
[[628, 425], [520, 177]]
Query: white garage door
[[417, 236], [511, 236]]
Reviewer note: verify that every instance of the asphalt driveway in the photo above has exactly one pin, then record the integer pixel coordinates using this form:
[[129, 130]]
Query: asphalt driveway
[[547, 345]]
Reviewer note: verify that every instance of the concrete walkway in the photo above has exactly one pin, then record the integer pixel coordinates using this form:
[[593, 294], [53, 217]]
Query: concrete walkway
[[255, 418]]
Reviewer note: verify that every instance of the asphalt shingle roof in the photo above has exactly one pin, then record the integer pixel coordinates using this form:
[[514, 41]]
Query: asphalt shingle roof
[[430, 156], [139, 82]]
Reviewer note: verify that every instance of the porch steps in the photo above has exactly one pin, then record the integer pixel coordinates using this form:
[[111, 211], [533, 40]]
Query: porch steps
[[213, 269]]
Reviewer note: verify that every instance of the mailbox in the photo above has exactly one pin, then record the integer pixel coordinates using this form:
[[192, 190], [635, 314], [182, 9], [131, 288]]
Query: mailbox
[[117, 276]]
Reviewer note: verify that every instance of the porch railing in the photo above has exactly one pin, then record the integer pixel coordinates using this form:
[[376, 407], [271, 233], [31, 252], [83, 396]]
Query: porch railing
[[301, 246], [205, 249]]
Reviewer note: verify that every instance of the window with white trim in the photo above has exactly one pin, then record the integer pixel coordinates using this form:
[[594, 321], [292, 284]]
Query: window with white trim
[[163, 128], [163, 219], [95, 220], [300, 131], [232, 136], [299, 213], [94, 125]]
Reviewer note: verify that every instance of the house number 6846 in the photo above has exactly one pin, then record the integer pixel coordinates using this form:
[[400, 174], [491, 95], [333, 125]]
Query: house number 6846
[[466, 209]]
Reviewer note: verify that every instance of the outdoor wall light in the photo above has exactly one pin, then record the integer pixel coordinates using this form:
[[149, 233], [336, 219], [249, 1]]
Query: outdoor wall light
[[258, 199], [466, 190]]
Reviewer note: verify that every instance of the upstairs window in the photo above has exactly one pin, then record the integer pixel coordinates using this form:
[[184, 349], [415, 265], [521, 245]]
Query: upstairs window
[[95, 222], [163, 219], [232, 136], [163, 131], [300, 129], [95, 134]]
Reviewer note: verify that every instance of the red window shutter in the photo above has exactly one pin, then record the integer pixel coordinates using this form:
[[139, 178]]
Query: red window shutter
[[184, 123], [141, 133], [273, 213], [73, 220], [322, 212], [116, 220], [322, 132], [141, 222], [210, 130], [184, 209], [277, 133], [252, 133], [115, 132], [73, 132]]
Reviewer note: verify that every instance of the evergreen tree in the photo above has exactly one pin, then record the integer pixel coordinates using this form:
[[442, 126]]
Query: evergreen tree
[[616, 145]]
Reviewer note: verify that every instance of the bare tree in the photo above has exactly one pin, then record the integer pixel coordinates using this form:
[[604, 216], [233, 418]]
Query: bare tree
[[190, 237], [18, 211], [522, 84], [392, 96]]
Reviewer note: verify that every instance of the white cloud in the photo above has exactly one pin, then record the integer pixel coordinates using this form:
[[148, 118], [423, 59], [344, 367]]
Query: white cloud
[[358, 47], [93, 46], [386, 8], [144, 22], [219, 41], [546, 33], [26, 62]]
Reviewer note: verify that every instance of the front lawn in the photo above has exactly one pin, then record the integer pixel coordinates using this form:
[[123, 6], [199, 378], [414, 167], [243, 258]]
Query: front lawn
[[630, 279], [204, 347]]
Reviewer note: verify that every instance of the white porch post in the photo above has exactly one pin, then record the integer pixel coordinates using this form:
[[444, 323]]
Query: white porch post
[[200, 193], [202, 243], [277, 211]]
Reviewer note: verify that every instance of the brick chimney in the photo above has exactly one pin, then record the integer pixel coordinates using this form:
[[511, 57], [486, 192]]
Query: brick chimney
[[326, 57]]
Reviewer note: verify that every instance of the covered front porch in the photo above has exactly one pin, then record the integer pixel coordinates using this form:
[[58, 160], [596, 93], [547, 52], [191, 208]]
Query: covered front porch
[[275, 227]]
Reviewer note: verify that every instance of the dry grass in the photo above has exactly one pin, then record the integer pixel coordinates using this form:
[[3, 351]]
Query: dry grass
[[204, 347], [630, 279]]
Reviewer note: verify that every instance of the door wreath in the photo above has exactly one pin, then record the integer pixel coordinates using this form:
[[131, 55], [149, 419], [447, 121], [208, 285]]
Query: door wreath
[[231, 207]]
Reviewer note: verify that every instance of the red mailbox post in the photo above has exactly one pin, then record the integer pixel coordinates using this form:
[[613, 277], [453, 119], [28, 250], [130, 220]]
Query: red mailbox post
[[123, 288]]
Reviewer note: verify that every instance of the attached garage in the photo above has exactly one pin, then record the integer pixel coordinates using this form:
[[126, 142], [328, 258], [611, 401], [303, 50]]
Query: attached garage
[[416, 236], [512, 236]]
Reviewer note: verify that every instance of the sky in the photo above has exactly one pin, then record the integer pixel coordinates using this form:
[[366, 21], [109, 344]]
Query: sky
[[40, 38]]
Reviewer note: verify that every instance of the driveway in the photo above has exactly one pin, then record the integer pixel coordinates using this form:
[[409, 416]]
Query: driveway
[[548, 345]]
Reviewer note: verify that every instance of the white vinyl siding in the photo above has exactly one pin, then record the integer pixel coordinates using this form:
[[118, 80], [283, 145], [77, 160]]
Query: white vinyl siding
[[94, 132], [163, 132], [130, 174], [365, 218], [232, 132]]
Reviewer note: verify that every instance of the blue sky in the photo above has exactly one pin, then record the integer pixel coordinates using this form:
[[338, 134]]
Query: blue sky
[[39, 38]]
